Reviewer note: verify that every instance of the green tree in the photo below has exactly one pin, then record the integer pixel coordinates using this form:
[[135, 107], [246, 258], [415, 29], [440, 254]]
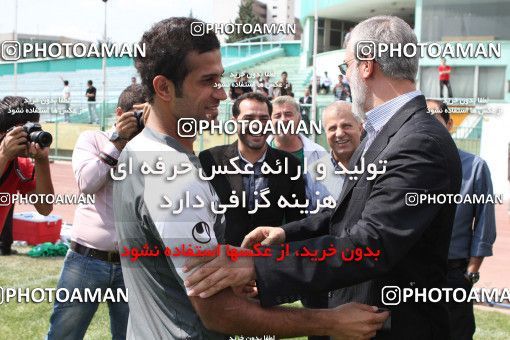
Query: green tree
[[245, 16]]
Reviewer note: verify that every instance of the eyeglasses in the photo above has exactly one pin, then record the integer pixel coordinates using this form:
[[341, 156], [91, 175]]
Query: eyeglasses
[[343, 67]]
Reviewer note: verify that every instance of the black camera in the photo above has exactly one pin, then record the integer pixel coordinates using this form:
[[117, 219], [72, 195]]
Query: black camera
[[139, 119], [37, 135]]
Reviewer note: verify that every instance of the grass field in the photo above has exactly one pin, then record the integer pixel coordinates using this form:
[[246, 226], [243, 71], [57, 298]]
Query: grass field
[[30, 320]]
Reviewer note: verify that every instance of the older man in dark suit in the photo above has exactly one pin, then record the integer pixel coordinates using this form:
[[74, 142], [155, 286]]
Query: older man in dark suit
[[408, 241]]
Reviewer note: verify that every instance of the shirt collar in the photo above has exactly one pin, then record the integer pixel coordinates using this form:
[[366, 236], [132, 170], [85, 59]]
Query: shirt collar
[[380, 115], [333, 160], [260, 160]]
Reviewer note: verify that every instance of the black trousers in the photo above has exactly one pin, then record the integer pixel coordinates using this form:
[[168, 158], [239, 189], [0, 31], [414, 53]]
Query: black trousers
[[462, 318], [6, 235], [326, 88], [448, 86]]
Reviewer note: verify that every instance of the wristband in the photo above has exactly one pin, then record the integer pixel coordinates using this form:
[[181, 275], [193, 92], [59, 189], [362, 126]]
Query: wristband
[[106, 158]]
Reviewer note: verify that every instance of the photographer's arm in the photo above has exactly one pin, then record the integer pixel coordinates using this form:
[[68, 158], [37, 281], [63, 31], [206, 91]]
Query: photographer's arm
[[3, 163], [43, 184], [90, 171], [12, 145]]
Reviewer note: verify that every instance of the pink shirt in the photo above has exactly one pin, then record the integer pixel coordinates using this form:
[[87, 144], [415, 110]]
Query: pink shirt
[[94, 224]]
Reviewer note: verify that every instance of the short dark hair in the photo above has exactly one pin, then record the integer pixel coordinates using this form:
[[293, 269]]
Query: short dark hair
[[133, 94], [253, 96], [15, 111], [89, 82], [168, 43], [66, 82], [443, 109], [284, 72]]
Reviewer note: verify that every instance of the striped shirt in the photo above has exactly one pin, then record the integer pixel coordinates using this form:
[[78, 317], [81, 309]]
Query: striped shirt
[[380, 115]]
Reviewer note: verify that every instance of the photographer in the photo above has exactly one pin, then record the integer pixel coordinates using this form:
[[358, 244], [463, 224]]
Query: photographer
[[18, 173], [93, 261]]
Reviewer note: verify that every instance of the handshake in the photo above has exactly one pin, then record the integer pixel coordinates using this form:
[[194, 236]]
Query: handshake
[[265, 236], [210, 275], [222, 273]]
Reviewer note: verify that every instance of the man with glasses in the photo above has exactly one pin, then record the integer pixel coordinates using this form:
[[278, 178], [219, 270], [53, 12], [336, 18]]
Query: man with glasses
[[381, 212], [179, 81], [18, 173]]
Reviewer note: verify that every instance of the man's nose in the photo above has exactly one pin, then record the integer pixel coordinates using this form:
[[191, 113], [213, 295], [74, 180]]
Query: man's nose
[[220, 93], [340, 132]]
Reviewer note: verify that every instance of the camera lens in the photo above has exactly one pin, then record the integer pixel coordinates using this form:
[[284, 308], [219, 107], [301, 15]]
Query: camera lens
[[43, 138], [139, 119]]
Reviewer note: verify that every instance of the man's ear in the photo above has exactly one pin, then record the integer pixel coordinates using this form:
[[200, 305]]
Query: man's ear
[[367, 68], [164, 88], [360, 127], [118, 112], [449, 125]]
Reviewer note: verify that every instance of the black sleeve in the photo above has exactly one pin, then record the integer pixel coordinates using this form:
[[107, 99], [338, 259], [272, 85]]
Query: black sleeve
[[298, 188], [309, 227], [206, 161], [417, 164]]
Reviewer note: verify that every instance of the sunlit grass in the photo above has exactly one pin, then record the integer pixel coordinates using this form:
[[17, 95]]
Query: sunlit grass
[[31, 320]]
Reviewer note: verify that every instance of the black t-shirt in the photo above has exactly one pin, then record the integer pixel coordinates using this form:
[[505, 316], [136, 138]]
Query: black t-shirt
[[92, 90]]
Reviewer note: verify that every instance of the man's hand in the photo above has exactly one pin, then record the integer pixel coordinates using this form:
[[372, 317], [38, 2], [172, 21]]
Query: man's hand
[[474, 265], [37, 152], [127, 126], [248, 291], [14, 143], [356, 321], [217, 274], [265, 236], [146, 108]]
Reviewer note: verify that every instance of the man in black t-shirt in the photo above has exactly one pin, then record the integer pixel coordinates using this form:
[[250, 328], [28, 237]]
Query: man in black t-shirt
[[91, 98]]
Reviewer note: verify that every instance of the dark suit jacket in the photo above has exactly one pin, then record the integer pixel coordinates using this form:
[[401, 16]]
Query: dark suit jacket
[[238, 222], [308, 101], [413, 240], [305, 110]]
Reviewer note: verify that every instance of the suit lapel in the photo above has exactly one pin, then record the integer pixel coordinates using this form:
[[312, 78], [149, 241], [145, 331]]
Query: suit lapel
[[381, 141], [273, 183], [355, 160], [236, 181]]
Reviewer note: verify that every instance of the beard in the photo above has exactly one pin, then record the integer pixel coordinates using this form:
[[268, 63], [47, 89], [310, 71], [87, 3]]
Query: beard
[[359, 92], [251, 144]]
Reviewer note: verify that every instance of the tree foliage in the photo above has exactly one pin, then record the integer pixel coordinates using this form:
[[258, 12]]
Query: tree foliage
[[245, 16]]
